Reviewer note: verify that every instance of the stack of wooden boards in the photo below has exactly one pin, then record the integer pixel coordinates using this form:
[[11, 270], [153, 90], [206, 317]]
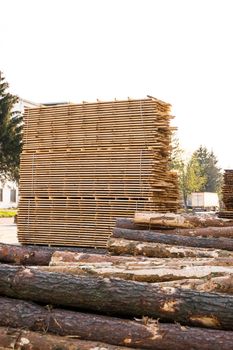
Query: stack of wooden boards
[[227, 195], [83, 165], [70, 300]]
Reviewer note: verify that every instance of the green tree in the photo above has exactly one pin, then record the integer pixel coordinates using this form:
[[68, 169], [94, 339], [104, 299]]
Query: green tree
[[209, 168], [10, 133]]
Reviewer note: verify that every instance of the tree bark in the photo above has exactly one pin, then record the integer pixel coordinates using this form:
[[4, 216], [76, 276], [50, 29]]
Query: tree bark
[[155, 237], [35, 255], [18, 339], [179, 220], [143, 333], [118, 297], [226, 232], [122, 246], [151, 274]]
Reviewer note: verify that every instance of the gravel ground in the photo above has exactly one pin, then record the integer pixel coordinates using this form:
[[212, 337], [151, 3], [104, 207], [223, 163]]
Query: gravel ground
[[8, 231]]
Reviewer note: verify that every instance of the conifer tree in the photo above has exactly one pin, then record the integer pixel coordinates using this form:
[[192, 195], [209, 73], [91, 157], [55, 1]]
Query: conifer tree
[[10, 133]]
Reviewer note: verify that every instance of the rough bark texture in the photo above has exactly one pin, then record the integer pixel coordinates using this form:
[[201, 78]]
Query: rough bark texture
[[35, 255], [155, 237], [179, 220], [17, 339], [143, 333], [118, 297], [139, 273], [122, 246], [226, 232]]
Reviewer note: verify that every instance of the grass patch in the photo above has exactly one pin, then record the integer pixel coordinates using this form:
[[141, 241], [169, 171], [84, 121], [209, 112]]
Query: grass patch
[[7, 213]]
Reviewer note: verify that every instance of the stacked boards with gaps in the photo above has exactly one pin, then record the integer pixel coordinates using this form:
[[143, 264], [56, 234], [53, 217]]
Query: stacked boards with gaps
[[227, 195], [85, 164]]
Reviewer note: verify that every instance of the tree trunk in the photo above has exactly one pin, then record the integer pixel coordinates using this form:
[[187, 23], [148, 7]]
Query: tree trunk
[[178, 220], [159, 250], [33, 255], [70, 258], [151, 274], [118, 297], [226, 232], [18, 339], [221, 284], [143, 333], [154, 237]]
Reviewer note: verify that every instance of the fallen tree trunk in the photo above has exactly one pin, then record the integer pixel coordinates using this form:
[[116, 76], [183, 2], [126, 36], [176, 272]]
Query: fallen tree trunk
[[118, 297], [141, 273], [179, 220], [35, 255], [122, 246], [18, 339], [154, 237], [143, 334], [226, 232]]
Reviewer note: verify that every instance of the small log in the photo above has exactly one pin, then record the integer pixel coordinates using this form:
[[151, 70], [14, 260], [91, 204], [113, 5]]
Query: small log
[[179, 220], [143, 333], [118, 297], [155, 237], [226, 232], [122, 246], [17, 339], [141, 273]]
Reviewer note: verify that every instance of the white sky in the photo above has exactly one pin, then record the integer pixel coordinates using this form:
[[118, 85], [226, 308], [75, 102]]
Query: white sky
[[180, 51]]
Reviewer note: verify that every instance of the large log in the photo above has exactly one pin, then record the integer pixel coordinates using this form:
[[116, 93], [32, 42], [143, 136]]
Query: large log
[[35, 255], [151, 274], [122, 246], [70, 258], [143, 333], [118, 297], [155, 237], [226, 232], [167, 220], [18, 339]]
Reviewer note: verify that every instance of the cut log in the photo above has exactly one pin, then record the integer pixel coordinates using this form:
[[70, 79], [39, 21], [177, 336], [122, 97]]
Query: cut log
[[143, 333], [141, 273], [222, 284], [155, 237], [69, 258], [226, 232], [118, 297], [35, 255], [18, 339], [179, 220], [159, 250]]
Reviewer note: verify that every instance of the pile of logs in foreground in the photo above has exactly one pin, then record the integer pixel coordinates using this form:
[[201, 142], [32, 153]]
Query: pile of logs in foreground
[[166, 283]]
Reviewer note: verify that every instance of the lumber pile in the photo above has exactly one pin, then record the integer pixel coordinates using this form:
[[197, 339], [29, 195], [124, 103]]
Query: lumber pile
[[80, 300], [227, 195], [83, 165]]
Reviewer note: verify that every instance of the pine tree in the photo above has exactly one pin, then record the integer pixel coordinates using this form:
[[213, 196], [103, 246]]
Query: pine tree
[[10, 133]]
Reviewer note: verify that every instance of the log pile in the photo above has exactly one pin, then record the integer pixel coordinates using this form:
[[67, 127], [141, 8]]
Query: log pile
[[227, 195], [83, 165], [80, 300]]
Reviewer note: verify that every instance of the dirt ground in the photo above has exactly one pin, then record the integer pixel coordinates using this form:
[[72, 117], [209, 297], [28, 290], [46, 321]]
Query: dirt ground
[[8, 231]]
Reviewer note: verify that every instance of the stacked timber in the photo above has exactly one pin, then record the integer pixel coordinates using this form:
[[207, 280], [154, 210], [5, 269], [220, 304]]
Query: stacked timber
[[97, 301], [83, 165], [227, 195]]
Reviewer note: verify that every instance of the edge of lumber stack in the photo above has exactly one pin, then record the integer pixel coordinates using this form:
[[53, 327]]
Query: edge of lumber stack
[[83, 165]]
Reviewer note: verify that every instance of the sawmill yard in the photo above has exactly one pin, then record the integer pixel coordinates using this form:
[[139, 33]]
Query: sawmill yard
[[105, 259]]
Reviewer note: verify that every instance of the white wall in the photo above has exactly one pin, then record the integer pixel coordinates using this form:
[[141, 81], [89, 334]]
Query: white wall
[[6, 195]]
